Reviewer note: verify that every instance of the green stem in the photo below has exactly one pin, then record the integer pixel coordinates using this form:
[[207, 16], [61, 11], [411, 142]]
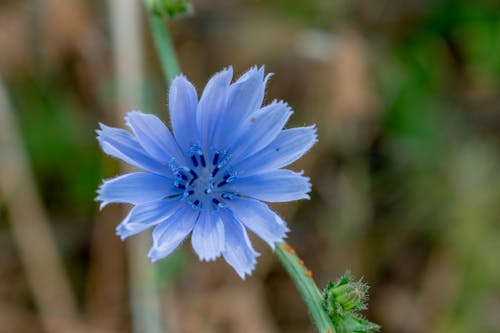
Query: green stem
[[302, 278], [164, 47]]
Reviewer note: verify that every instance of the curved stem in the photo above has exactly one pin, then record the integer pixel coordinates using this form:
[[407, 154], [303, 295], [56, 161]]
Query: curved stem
[[302, 277], [164, 47]]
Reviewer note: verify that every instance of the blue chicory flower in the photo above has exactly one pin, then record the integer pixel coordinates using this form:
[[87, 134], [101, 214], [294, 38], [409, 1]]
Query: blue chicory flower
[[212, 177]]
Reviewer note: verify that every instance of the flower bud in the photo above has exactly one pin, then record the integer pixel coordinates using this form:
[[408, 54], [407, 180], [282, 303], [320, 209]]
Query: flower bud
[[346, 294], [342, 300]]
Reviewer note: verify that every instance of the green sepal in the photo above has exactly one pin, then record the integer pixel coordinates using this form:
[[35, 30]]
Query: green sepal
[[356, 324]]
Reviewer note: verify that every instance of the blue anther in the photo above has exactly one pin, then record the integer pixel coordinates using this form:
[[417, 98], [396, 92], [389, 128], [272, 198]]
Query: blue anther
[[195, 161], [194, 174], [202, 160]]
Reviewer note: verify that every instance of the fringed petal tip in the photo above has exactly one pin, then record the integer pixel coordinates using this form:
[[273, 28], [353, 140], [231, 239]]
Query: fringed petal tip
[[243, 272], [123, 232], [99, 198], [251, 73], [154, 255], [281, 103], [179, 80], [262, 70], [308, 185], [314, 127], [280, 240], [101, 133], [130, 115], [180, 76], [101, 128], [104, 133], [313, 136], [284, 233], [209, 259], [104, 130], [225, 71], [103, 204], [254, 71]]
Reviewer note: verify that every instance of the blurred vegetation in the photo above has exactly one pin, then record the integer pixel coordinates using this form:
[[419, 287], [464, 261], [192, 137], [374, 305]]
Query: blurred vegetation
[[406, 176]]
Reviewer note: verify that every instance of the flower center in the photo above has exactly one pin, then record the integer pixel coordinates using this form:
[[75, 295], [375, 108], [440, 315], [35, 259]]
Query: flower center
[[205, 181]]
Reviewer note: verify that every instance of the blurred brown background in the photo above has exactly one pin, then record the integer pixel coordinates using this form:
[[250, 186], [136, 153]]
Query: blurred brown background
[[406, 178]]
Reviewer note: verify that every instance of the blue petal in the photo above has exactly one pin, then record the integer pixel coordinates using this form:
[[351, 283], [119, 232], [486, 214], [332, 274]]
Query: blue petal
[[208, 236], [288, 147], [135, 188], [274, 186], [183, 101], [146, 215], [238, 251], [121, 144], [245, 97], [212, 104], [170, 233], [257, 217], [154, 137], [261, 129]]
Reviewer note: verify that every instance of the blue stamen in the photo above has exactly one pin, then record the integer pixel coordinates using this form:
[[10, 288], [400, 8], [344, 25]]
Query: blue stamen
[[214, 172], [202, 160], [195, 161], [216, 159], [194, 174]]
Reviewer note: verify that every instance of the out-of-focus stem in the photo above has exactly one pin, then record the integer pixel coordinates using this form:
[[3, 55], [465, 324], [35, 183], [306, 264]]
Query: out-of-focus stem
[[31, 229], [302, 277], [128, 65], [164, 47]]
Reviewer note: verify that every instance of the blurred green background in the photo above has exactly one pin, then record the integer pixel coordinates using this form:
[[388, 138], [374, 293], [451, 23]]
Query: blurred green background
[[406, 177]]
